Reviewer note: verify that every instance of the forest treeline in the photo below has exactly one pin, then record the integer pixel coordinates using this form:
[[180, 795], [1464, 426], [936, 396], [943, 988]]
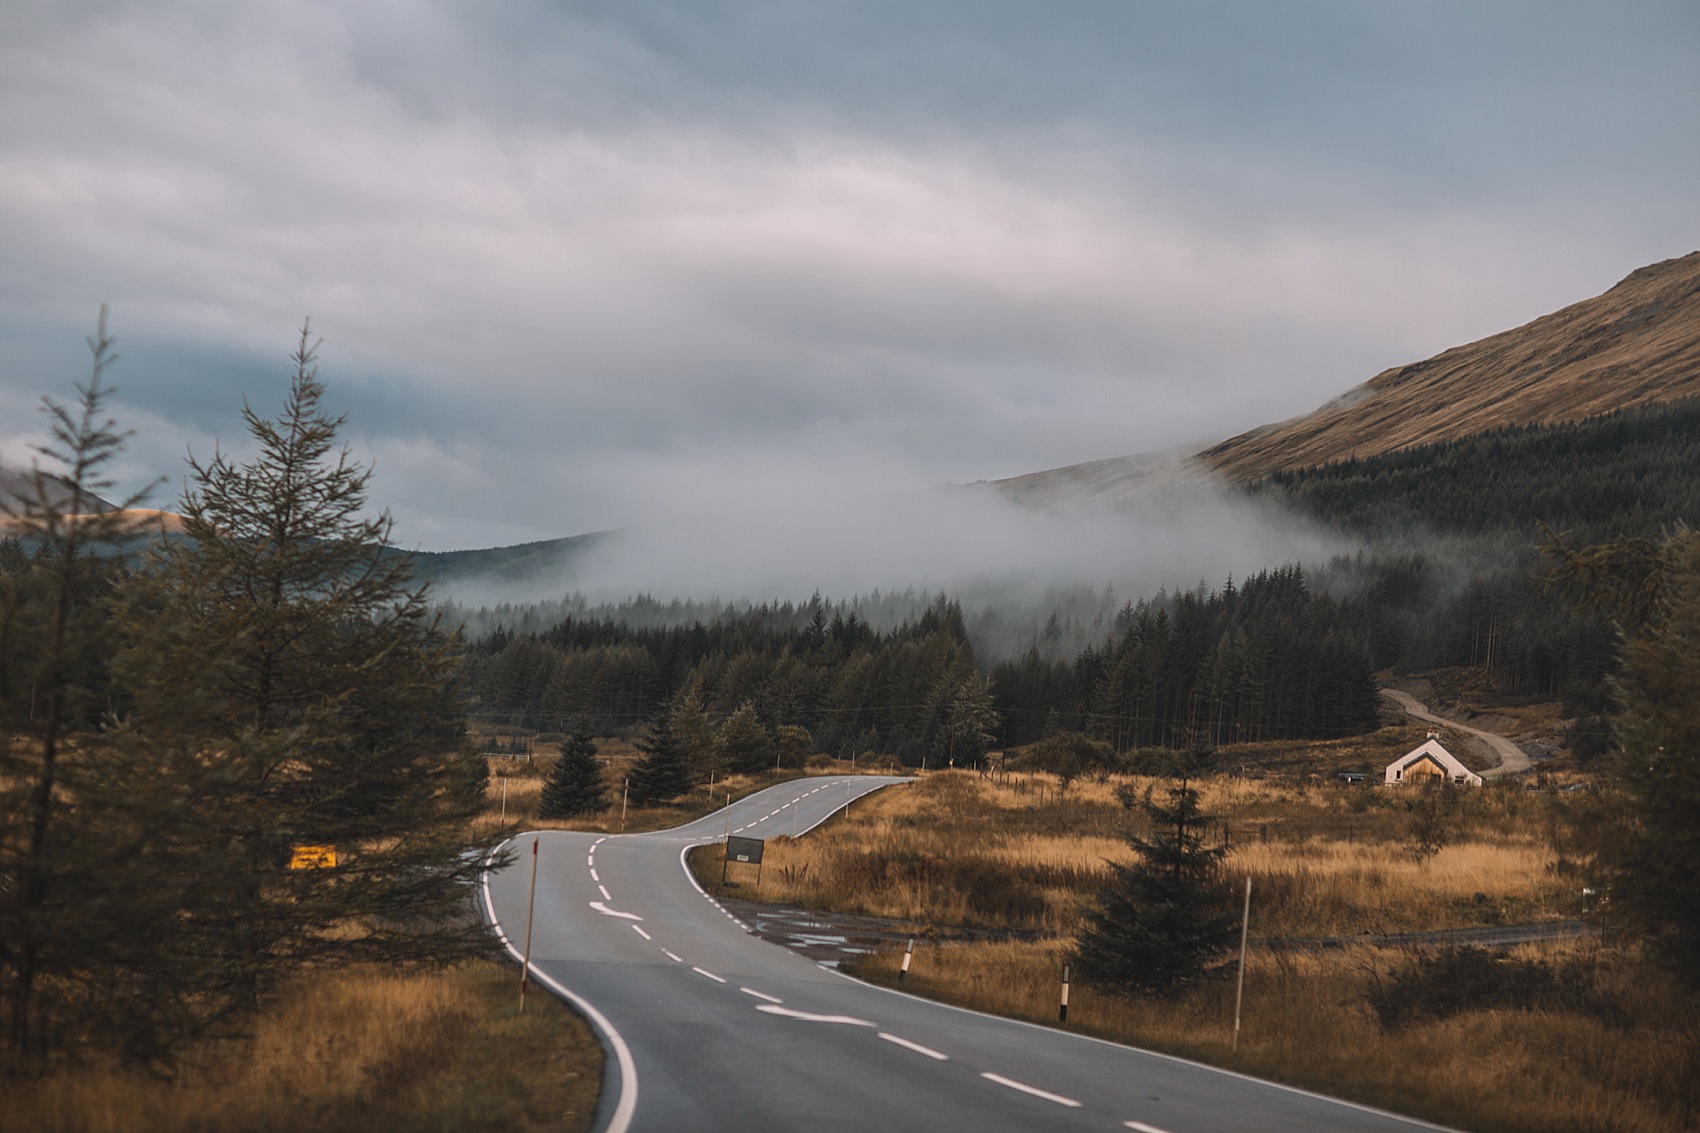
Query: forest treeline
[[1451, 574], [1453, 571], [1268, 658]]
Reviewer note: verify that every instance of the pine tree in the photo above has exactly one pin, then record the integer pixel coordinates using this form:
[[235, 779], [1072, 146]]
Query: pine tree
[[85, 923], [295, 661], [575, 784], [745, 746], [664, 772], [1165, 919]]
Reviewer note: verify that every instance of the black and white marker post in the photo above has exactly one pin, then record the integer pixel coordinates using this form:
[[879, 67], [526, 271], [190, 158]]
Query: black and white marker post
[[530, 904], [1062, 1005], [908, 953]]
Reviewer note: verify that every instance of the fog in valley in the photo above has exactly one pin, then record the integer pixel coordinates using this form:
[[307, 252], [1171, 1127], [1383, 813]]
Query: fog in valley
[[1011, 567]]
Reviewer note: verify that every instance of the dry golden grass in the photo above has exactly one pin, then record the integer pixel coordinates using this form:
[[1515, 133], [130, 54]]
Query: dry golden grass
[[358, 1050], [1306, 1022], [1013, 855], [1326, 860]]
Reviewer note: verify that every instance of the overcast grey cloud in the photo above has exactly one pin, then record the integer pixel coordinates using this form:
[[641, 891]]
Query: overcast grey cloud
[[586, 265]]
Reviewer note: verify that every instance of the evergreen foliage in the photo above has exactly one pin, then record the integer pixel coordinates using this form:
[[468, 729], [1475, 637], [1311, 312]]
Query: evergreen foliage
[[83, 917], [745, 746], [293, 662], [1268, 659], [664, 772], [1652, 860], [575, 784], [1164, 920], [174, 728]]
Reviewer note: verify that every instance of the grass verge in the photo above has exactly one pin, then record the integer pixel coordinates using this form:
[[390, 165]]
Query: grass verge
[[351, 1052]]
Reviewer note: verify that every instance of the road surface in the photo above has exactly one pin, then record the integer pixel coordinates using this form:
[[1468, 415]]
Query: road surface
[[710, 1028], [1512, 760]]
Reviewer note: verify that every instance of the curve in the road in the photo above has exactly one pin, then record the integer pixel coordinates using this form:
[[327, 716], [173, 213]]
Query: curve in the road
[[1512, 759], [728, 1032]]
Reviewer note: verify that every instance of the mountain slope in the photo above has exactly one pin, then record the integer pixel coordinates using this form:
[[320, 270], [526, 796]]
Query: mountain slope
[[1638, 343]]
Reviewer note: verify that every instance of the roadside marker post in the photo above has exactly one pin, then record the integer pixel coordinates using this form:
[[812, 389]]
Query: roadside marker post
[[1239, 992], [530, 904], [908, 953], [504, 796], [625, 794], [1062, 1003]]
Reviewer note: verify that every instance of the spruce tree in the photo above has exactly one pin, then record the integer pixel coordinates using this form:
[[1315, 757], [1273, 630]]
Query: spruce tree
[[664, 772], [296, 662], [575, 784], [88, 920], [745, 745], [1165, 919]]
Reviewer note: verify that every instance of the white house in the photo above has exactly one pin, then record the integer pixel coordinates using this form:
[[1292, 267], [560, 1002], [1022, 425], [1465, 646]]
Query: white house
[[1429, 762]]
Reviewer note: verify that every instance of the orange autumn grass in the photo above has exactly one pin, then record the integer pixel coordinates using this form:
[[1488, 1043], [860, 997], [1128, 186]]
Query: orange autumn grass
[[354, 1051]]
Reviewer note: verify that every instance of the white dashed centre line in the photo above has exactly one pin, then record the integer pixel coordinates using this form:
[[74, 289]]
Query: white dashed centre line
[[673, 957], [593, 874], [710, 975], [639, 930], [1141, 1127], [761, 995], [1033, 1090], [916, 1047], [606, 896]]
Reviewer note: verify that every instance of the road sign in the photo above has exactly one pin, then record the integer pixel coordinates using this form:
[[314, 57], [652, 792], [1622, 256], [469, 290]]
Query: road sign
[[313, 857], [744, 849]]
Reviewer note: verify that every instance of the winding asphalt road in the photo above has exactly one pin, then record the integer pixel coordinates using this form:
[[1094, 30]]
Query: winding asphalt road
[[710, 1028], [1512, 760]]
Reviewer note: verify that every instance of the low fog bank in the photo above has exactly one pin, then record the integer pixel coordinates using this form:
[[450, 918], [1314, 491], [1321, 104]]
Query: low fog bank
[[1055, 577]]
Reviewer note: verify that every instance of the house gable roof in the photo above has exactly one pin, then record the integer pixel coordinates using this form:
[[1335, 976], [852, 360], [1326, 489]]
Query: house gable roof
[[1431, 751]]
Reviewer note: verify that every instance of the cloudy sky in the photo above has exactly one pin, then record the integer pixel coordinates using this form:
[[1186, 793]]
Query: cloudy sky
[[580, 265]]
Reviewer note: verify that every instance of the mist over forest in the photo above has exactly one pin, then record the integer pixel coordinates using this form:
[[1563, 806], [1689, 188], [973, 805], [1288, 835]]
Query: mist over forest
[[1413, 560]]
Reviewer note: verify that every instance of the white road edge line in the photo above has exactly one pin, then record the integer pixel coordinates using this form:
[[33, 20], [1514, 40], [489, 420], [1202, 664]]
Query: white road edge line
[[637, 928], [1026, 1089], [761, 995], [709, 974], [916, 1047], [1141, 1127], [620, 1121], [677, 959]]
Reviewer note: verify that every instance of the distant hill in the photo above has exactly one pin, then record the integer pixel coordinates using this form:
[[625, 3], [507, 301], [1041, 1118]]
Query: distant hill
[[16, 486], [1637, 344], [523, 562]]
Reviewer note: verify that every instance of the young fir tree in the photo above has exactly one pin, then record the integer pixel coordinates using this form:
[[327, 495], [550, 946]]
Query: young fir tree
[[1164, 920], [88, 915], [575, 784], [664, 772], [745, 746], [695, 733], [297, 664]]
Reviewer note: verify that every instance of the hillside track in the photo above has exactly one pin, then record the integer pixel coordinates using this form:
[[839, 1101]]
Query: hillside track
[[1512, 759]]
